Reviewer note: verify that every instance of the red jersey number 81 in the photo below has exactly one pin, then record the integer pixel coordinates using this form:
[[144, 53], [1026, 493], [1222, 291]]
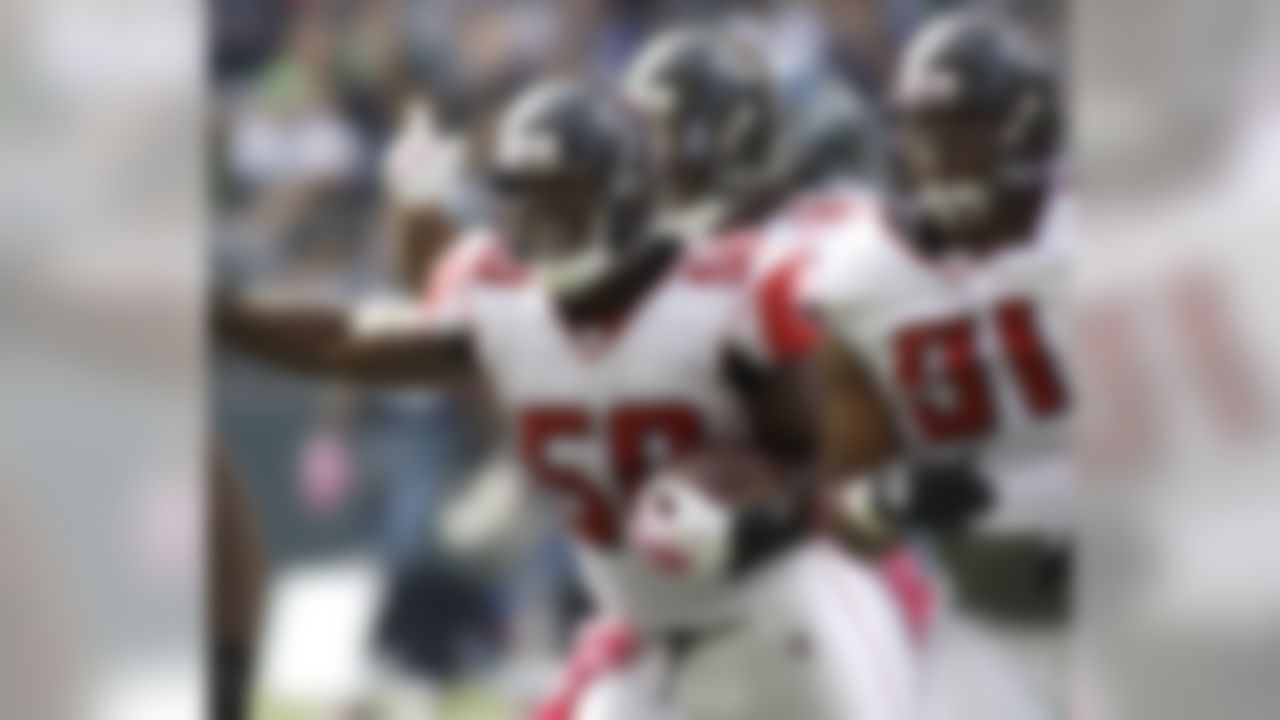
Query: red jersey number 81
[[950, 393]]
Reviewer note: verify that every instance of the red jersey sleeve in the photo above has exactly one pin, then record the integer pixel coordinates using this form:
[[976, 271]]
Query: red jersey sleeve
[[772, 325], [786, 330]]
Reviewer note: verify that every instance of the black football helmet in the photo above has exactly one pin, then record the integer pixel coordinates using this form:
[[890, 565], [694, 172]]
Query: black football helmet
[[976, 123], [831, 137], [706, 108], [560, 163]]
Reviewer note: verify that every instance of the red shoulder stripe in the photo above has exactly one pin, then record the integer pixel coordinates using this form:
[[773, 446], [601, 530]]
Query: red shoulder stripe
[[467, 262], [788, 331], [449, 277], [497, 268]]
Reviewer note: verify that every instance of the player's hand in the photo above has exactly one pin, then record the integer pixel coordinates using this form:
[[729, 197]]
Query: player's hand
[[876, 510], [679, 528], [863, 520]]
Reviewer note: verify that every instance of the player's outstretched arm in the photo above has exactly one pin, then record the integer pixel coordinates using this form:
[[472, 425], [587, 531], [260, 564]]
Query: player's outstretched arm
[[327, 340]]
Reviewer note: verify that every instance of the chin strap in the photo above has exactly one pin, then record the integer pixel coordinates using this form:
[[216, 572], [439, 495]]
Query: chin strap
[[693, 224], [570, 274], [955, 203]]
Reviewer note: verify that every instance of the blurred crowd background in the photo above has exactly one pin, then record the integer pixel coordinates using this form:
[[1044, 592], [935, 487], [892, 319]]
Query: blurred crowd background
[[306, 95]]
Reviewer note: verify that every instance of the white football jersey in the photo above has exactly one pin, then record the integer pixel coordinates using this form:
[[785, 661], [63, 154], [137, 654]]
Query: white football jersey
[[794, 234], [970, 353], [592, 414]]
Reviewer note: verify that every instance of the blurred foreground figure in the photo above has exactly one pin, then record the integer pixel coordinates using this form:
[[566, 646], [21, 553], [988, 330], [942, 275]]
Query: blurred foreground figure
[[1179, 360], [947, 399], [612, 355], [45, 663], [236, 584]]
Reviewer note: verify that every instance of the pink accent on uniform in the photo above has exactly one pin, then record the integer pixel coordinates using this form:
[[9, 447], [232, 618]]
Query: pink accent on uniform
[[911, 589], [468, 261], [450, 276], [880, 666], [602, 646], [496, 267]]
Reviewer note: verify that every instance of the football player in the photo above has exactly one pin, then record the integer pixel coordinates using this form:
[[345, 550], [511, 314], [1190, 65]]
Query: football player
[[728, 159], [708, 119], [612, 355], [946, 325]]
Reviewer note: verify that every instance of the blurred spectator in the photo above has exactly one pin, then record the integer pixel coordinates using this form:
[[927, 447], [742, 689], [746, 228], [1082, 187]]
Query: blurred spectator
[[868, 34], [440, 614], [286, 132], [245, 33]]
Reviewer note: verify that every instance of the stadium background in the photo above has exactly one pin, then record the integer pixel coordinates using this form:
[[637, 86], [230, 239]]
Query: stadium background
[[350, 484]]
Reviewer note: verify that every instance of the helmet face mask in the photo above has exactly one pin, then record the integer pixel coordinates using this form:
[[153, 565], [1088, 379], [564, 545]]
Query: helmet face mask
[[950, 159], [555, 227], [550, 216], [684, 156]]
